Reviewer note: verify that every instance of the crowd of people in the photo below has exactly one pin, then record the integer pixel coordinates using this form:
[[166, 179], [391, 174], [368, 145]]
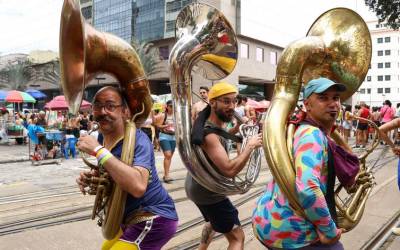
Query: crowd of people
[[360, 129]]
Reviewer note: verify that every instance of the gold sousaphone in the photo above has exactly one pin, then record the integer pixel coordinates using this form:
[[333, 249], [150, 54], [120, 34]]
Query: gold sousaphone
[[337, 46], [85, 52]]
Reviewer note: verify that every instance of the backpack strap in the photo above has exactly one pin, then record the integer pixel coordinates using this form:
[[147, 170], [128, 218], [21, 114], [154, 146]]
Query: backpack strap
[[223, 133]]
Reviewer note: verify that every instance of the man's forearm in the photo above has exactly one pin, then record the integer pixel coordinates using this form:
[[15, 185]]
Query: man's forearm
[[130, 179], [239, 162]]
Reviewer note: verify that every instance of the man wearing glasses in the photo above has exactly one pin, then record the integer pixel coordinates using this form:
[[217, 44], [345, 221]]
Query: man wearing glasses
[[149, 209], [200, 105], [217, 209]]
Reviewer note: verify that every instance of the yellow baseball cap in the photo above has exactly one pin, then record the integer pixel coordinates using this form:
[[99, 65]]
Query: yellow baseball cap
[[221, 88], [157, 106]]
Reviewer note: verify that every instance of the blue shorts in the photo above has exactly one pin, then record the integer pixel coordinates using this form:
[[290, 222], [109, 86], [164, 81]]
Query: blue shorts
[[223, 216], [167, 145]]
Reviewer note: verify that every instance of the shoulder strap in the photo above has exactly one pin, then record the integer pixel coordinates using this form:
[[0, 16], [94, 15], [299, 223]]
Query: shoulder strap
[[330, 188], [221, 132], [165, 118]]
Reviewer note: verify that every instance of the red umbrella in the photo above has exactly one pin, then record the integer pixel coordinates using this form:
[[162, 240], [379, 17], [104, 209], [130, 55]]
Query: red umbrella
[[264, 104], [59, 103]]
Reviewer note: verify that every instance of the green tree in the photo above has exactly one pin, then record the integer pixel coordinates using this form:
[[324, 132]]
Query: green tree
[[387, 11], [18, 75], [149, 57]]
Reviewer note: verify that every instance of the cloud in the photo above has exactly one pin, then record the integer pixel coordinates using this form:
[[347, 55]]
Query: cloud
[[29, 25]]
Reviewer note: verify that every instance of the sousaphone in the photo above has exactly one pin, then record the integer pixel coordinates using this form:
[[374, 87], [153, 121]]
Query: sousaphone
[[206, 43], [85, 52], [337, 46]]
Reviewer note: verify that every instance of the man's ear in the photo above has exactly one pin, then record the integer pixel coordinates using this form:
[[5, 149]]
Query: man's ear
[[212, 102], [126, 112], [307, 104]]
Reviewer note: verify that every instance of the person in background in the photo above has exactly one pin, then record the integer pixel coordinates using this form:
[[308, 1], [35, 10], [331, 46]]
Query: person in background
[[362, 126], [41, 120], [383, 132], [240, 107], [146, 127], [167, 139], [158, 119], [387, 113], [200, 105], [346, 124]]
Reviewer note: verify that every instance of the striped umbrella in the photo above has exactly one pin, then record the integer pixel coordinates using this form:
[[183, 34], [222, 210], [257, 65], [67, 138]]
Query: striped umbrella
[[15, 96]]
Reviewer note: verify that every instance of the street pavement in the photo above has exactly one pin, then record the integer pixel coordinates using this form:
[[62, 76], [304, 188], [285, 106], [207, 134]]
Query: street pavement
[[18, 177]]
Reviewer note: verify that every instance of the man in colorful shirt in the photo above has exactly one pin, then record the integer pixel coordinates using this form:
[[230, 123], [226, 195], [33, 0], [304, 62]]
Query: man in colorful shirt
[[275, 223]]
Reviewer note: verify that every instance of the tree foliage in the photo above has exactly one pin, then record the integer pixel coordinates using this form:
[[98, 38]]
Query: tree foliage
[[18, 74], [387, 11], [149, 57]]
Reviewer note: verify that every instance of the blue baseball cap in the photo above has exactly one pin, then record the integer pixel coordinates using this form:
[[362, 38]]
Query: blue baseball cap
[[320, 85]]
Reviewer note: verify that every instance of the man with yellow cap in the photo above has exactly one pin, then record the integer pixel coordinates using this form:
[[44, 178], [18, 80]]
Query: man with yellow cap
[[218, 211]]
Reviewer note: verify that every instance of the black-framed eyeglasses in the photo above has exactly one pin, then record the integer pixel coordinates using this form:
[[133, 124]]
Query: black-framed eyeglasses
[[228, 101], [108, 106]]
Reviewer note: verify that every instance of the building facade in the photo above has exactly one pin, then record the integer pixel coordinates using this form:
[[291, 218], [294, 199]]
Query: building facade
[[115, 17], [383, 78], [87, 10]]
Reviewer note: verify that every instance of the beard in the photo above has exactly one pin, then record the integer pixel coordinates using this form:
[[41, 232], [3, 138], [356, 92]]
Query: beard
[[223, 117]]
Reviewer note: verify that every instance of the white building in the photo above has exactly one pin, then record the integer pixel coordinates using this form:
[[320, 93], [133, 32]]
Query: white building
[[383, 78]]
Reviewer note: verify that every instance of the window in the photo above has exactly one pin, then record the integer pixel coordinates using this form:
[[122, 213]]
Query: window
[[380, 65], [387, 64], [387, 78], [380, 52], [380, 90], [368, 78], [380, 78], [260, 54], [244, 50], [163, 52], [380, 40], [368, 91], [273, 57], [387, 52], [387, 39], [362, 91], [387, 90]]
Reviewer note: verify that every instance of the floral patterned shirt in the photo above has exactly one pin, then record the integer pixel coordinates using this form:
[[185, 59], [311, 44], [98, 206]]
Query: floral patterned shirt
[[274, 222]]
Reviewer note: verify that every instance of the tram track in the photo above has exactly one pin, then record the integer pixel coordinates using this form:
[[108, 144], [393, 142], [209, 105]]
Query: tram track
[[59, 217], [383, 234]]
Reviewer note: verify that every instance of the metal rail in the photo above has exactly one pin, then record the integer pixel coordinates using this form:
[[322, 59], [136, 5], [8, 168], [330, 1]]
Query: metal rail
[[382, 235]]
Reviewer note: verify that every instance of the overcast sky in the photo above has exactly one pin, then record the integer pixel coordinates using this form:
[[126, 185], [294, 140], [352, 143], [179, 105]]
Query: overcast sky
[[27, 25]]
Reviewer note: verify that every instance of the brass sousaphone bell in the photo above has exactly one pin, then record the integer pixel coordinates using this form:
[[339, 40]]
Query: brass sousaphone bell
[[337, 46], [85, 52]]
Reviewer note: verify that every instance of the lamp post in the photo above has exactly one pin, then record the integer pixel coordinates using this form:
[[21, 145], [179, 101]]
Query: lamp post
[[98, 79]]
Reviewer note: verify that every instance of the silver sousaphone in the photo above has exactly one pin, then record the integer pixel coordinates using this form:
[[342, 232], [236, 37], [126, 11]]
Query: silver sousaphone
[[206, 43]]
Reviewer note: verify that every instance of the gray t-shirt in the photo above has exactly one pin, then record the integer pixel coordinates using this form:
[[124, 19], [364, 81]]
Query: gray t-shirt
[[196, 192]]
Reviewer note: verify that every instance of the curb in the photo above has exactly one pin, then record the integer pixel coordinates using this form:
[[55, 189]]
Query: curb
[[14, 160]]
